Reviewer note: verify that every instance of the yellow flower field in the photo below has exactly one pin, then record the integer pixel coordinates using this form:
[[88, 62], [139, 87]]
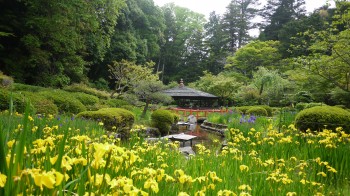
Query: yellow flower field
[[40, 156]]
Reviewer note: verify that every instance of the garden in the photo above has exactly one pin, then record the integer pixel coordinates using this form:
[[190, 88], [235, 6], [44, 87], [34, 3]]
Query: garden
[[264, 153]]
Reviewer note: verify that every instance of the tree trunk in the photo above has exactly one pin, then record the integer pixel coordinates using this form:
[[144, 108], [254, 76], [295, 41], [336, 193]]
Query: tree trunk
[[145, 109]]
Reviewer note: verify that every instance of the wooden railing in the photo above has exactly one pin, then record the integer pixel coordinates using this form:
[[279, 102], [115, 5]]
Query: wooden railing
[[198, 113]]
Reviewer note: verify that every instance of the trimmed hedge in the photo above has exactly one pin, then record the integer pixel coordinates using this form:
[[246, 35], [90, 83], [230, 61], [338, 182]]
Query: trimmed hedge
[[116, 103], [65, 101], [114, 119], [41, 104], [26, 87], [320, 117], [257, 110], [162, 119], [88, 90], [86, 99], [268, 109]]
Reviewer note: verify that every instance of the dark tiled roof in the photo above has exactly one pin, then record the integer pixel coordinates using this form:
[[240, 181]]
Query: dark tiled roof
[[183, 91]]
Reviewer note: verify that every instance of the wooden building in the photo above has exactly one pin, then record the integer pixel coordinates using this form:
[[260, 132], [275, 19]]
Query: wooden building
[[191, 98]]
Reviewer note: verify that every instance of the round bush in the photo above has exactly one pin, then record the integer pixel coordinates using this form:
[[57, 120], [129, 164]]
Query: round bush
[[86, 99], [257, 110], [65, 101], [162, 119], [320, 117], [114, 119], [268, 109], [310, 105]]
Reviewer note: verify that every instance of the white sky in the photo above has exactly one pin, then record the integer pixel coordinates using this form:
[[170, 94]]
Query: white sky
[[219, 6]]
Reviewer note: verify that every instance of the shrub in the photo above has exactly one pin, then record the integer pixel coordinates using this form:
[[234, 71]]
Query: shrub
[[243, 109], [88, 90], [162, 119], [114, 119], [25, 87], [86, 99], [300, 106], [65, 101], [268, 109], [5, 81], [116, 103], [303, 96], [316, 118], [18, 100], [127, 107], [257, 110], [41, 104], [310, 105]]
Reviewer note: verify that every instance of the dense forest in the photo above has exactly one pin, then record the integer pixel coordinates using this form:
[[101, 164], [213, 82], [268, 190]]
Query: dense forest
[[297, 57]]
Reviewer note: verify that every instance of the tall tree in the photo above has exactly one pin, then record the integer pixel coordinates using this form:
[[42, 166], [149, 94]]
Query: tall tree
[[215, 44], [183, 51], [278, 13], [238, 21]]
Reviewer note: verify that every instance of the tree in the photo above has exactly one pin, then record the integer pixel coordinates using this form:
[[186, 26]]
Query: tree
[[278, 13], [238, 21], [216, 44], [330, 57], [222, 85], [254, 55], [127, 74], [54, 42], [150, 91], [267, 81], [183, 50]]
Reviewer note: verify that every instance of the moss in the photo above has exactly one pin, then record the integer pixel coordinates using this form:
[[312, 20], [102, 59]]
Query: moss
[[320, 117]]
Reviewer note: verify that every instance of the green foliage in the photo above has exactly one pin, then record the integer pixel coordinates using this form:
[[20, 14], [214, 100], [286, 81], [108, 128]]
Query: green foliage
[[319, 117], [300, 106], [303, 96], [162, 119], [41, 104], [65, 101], [268, 109], [114, 119], [243, 109], [310, 105], [116, 103], [253, 55], [257, 110], [86, 89], [18, 101], [5, 81], [26, 87], [86, 99]]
